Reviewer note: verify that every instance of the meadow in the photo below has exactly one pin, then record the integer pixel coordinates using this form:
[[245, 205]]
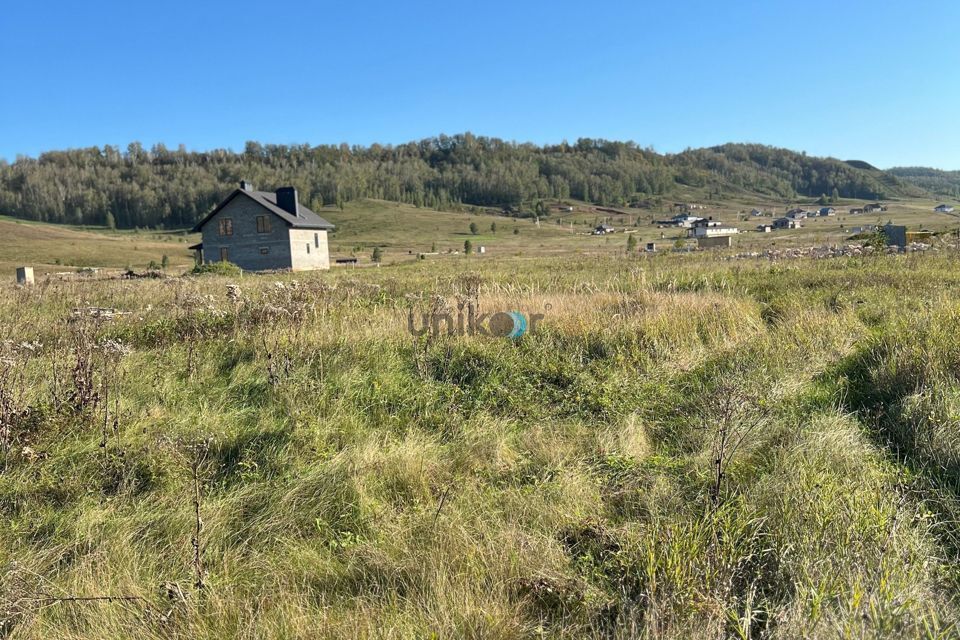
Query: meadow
[[686, 447], [402, 232]]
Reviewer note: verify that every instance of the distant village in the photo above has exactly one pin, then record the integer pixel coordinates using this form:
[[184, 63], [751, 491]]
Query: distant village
[[710, 233]]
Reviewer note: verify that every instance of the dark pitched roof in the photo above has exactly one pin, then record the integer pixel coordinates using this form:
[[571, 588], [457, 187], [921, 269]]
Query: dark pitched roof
[[268, 200]]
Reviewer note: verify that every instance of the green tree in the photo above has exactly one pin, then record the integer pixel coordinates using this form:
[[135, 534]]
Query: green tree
[[111, 221], [835, 195], [474, 229], [377, 255], [467, 247], [165, 262], [631, 243], [493, 227]]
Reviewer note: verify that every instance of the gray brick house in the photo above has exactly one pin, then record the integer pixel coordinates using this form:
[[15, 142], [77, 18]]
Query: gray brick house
[[262, 230]]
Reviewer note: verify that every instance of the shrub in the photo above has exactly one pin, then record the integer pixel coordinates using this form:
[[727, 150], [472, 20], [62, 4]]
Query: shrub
[[217, 269]]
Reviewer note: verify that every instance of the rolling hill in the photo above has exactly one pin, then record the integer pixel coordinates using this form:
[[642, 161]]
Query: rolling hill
[[935, 181], [164, 189]]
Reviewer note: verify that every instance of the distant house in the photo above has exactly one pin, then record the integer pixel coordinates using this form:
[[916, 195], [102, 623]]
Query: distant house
[[764, 228], [264, 230], [827, 211], [856, 211], [786, 223], [867, 228], [875, 207], [797, 214], [603, 229], [711, 229], [756, 213], [682, 220], [943, 208]]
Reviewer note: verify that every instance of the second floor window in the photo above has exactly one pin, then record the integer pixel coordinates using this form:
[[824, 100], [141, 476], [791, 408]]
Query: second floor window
[[226, 226], [263, 224]]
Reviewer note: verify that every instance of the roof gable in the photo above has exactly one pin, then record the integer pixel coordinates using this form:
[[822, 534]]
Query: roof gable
[[268, 200]]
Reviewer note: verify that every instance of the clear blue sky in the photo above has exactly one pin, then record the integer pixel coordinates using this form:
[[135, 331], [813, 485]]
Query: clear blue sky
[[876, 81]]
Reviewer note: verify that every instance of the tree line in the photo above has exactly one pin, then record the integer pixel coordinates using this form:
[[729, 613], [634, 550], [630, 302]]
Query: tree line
[[942, 183], [165, 188]]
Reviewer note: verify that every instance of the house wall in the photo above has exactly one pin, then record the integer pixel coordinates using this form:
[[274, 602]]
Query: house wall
[[713, 232], [715, 242], [245, 244], [896, 235], [318, 254]]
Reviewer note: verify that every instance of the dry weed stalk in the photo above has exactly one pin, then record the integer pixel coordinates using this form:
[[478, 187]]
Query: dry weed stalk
[[194, 455], [731, 415], [14, 360]]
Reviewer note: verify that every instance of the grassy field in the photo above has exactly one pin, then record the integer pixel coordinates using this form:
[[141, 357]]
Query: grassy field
[[53, 248], [686, 447], [403, 231], [413, 230]]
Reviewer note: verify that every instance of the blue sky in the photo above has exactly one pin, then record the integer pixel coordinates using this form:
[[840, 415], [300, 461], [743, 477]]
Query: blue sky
[[876, 81]]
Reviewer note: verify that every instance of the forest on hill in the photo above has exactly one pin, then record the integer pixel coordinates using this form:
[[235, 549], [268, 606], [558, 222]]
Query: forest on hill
[[941, 183], [164, 188]]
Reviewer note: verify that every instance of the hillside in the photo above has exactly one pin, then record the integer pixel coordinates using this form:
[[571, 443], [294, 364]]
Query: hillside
[[60, 248], [779, 172], [160, 188], [935, 181]]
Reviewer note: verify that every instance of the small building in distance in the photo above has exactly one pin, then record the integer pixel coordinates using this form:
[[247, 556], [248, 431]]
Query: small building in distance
[[764, 228], [603, 229], [786, 223], [943, 208], [712, 228], [264, 230], [797, 214], [856, 211], [682, 220], [874, 208], [896, 235], [827, 211]]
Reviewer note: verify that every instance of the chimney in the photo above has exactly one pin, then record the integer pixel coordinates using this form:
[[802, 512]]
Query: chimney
[[246, 186], [287, 200]]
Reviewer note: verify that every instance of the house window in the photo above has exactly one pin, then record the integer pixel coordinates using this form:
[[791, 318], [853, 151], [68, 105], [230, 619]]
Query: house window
[[308, 247], [264, 250], [226, 227], [263, 224], [224, 254], [316, 240]]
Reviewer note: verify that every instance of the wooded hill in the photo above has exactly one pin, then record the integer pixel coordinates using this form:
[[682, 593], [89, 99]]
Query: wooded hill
[[937, 182], [167, 188]]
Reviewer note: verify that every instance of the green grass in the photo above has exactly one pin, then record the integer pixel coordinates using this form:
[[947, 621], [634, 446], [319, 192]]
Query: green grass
[[404, 231], [54, 248], [358, 481]]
